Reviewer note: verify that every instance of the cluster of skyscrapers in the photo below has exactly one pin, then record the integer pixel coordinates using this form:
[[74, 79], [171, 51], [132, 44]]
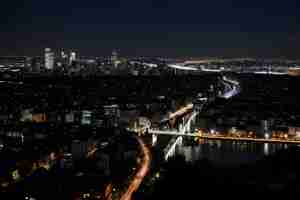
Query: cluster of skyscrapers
[[49, 57]]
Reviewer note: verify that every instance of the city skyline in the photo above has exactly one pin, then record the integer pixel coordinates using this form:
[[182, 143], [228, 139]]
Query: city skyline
[[151, 99], [152, 28]]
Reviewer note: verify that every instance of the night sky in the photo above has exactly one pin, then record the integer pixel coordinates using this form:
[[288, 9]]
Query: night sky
[[227, 28]]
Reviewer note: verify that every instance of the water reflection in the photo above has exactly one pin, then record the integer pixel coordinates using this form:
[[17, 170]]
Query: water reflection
[[227, 152], [266, 149]]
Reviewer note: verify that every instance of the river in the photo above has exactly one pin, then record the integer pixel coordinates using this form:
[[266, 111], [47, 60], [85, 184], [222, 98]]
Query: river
[[262, 97], [227, 153]]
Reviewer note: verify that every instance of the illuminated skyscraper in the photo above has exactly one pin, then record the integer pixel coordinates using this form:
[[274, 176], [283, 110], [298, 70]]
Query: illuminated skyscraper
[[112, 115], [63, 55], [72, 57], [114, 58], [86, 117], [114, 55], [49, 59]]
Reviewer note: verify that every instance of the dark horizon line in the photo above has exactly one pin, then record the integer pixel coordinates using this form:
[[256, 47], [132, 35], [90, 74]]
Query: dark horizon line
[[177, 57], [125, 53]]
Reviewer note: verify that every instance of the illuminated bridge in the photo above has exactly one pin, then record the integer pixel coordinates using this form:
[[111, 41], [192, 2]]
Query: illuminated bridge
[[170, 150], [231, 89]]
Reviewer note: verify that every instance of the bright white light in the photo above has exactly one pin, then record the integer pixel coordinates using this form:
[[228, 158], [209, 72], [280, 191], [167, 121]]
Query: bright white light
[[212, 131], [267, 72], [52, 156], [266, 149], [210, 70], [183, 67], [267, 136]]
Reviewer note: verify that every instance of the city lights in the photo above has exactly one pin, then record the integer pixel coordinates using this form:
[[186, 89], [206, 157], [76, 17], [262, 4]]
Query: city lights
[[100, 121]]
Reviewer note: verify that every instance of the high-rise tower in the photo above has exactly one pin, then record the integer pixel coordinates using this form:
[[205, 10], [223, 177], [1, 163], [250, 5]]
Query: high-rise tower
[[72, 57], [49, 59], [114, 58]]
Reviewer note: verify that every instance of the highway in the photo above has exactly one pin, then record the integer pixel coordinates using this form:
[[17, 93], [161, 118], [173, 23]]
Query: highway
[[234, 88], [180, 67], [139, 176], [108, 192], [179, 112], [91, 152], [193, 66]]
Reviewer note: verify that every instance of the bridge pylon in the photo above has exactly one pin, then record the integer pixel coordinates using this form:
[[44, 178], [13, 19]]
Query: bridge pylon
[[154, 139]]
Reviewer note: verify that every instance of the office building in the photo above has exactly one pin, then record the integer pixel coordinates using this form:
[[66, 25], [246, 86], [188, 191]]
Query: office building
[[98, 118], [114, 58], [13, 61], [69, 117], [79, 149], [112, 115], [35, 64], [112, 110], [294, 131], [72, 57], [49, 59], [39, 118], [294, 71], [26, 116], [86, 117], [63, 55]]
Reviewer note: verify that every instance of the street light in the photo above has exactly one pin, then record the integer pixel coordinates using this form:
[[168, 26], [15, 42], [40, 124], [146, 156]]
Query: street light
[[267, 136]]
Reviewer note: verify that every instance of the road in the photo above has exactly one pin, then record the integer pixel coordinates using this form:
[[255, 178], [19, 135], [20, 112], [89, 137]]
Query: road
[[139, 176], [234, 85], [179, 112], [91, 152], [180, 67]]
